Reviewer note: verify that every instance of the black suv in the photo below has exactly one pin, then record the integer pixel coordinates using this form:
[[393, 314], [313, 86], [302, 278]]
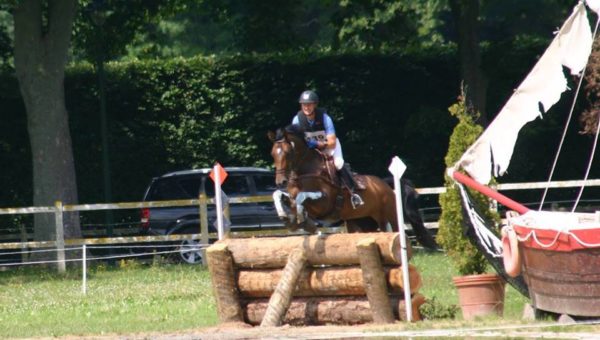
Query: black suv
[[240, 182]]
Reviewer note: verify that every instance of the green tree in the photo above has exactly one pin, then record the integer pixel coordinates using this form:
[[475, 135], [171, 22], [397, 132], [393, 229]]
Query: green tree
[[42, 38], [467, 259], [374, 24], [6, 34]]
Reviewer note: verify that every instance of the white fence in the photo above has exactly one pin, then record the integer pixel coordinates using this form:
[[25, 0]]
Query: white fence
[[59, 244]]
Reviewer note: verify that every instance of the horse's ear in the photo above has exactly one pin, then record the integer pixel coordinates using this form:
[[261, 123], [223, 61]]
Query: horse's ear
[[271, 136]]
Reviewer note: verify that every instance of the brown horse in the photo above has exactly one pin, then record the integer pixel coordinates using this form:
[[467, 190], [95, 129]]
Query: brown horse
[[312, 184]]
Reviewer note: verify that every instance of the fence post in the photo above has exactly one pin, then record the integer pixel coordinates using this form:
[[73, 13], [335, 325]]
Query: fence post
[[203, 226], [84, 268], [60, 237]]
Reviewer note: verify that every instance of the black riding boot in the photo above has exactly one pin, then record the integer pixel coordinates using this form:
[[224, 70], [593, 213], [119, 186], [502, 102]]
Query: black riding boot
[[348, 180]]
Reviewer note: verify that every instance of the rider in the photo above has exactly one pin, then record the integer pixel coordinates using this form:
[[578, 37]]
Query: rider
[[320, 134]]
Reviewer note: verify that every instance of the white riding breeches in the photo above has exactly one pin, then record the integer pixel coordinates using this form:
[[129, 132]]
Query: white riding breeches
[[336, 153]]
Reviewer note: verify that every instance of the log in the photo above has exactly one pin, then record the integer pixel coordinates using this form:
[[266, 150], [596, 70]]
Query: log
[[374, 281], [327, 281], [282, 297], [220, 266], [334, 249], [326, 310]]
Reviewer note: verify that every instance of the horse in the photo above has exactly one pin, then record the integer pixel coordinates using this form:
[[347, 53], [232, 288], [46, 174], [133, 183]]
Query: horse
[[314, 192]]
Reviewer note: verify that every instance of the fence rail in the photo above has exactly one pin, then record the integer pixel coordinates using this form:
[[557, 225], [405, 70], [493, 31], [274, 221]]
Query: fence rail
[[202, 202]]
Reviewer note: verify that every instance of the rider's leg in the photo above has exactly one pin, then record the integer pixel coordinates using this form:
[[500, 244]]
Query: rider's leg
[[346, 175]]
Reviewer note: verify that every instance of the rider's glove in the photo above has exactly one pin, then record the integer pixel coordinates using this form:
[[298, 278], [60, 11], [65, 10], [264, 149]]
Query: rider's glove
[[313, 144]]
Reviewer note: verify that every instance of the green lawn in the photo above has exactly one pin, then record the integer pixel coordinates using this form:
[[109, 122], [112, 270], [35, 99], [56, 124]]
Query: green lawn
[[123, 300], [151, 298]]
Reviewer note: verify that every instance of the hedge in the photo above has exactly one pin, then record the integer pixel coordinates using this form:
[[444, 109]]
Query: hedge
[[167, 115]]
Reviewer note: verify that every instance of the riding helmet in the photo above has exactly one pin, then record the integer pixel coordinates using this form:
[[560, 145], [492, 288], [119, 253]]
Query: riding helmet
[[308, 97]]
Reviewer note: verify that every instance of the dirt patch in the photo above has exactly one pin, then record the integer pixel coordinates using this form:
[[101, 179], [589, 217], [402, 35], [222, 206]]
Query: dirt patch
[[427, 330]]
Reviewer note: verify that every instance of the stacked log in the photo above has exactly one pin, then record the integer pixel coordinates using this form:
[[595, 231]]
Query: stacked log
[[312, 280]]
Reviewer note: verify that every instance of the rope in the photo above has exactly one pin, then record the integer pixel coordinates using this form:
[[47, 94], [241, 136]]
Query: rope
[[491, 243], [200, 247], [587, 171], [562, 139], [533, 235]]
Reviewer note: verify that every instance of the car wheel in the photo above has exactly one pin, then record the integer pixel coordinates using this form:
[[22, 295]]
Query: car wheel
[[189, 252]]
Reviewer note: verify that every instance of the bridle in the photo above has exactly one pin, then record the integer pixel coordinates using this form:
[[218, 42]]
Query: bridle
[[291, 161]]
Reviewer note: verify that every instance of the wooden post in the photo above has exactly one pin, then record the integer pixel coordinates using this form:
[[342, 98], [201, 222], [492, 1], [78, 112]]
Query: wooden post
[[220, 266], [60, 237], [374, 280], [24, 238], [282, 297], [203, 226]]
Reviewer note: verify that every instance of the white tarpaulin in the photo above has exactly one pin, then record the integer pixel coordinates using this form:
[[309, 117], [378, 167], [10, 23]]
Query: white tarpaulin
[[541, 89]]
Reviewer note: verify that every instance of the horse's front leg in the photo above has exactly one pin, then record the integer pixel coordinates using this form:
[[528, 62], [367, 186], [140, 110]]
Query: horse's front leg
[[285, 205], [303, 219]]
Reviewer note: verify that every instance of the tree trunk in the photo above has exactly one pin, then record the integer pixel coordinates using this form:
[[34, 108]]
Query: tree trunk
[[334, 249], [222, 274], [466, 19], [328, 281], [329, 310], [374, 281], [282, 296], [41, 50]]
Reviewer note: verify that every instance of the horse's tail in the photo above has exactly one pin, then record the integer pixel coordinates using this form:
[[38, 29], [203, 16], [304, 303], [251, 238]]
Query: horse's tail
[[412, 215]]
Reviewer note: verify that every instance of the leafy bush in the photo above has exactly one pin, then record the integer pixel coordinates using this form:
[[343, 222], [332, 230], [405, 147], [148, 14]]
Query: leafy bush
[[433, 309], [465, 256]]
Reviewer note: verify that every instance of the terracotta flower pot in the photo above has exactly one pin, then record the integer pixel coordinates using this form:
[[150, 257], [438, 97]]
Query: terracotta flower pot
[[480, 295]]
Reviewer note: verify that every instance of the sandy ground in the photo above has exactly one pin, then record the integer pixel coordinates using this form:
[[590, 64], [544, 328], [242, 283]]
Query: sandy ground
[[395, 331]]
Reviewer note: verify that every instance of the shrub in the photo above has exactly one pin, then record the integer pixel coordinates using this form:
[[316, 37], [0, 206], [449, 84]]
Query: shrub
[[465, 256], [433, 309]]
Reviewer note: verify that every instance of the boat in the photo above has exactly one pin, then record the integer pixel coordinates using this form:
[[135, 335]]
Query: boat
[[551, 256]]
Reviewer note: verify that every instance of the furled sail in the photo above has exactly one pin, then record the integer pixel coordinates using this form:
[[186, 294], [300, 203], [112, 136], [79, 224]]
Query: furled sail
[[540, 90]]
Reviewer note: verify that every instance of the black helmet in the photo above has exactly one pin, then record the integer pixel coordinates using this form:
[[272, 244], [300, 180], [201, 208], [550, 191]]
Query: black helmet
[[308, 97]]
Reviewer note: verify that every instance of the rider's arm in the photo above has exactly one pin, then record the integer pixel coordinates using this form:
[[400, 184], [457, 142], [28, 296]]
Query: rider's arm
[[329, 143]]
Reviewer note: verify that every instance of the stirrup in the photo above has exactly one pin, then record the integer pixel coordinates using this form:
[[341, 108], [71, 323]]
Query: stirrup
[[356, 200]]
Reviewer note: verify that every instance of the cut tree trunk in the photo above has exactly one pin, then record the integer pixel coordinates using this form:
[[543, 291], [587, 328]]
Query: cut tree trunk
[[282, 297], [335, 249], [329, 310], [374, 281], [220, 266], [327, 281]]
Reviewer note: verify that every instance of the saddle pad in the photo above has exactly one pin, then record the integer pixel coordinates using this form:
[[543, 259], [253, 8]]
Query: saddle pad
[[361, 181]]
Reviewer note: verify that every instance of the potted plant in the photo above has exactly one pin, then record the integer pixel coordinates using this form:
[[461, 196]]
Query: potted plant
[[479, 293]]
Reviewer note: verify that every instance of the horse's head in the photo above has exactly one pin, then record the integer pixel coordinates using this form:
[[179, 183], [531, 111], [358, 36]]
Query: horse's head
[[281, 153]]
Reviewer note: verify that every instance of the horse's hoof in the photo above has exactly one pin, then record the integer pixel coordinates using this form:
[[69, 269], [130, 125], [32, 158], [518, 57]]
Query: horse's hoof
[[291, 226], [310, 228]]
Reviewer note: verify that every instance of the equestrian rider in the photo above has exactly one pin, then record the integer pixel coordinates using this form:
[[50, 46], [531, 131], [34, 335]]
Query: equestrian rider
[[320, 134]]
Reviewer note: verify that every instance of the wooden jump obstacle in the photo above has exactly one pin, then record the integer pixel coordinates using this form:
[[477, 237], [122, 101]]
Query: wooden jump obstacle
[[312, 280]]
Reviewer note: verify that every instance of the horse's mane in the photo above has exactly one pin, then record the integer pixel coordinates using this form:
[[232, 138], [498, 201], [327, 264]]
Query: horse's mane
[[295, 130]]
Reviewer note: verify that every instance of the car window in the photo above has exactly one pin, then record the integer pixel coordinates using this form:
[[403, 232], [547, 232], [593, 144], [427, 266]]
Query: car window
[[191, 186], [166, 190], [265, 184], [236, 186]]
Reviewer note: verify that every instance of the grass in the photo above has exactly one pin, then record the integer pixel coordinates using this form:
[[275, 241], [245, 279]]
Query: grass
[[437, 271], [135, 298]]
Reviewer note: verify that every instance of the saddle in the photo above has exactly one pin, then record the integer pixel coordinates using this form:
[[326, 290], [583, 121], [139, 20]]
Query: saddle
[[332, 172]]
